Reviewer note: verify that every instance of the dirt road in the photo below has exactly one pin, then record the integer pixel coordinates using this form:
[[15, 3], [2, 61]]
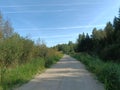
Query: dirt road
[[67, 74]]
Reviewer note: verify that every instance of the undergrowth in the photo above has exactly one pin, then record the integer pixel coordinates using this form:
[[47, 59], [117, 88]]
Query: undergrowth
[[107, 72], [14, 77]]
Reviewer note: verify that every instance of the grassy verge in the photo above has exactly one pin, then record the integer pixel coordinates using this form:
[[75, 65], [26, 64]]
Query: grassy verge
[[107, 72], [23, 73]]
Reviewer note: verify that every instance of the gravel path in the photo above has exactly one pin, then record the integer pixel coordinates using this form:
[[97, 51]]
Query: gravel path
[[67, 74]]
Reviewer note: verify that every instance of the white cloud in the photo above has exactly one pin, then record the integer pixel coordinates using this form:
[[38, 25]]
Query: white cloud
[[77, 27], [40, 11], [39, 5], [59, 28], [57, 36], [63, 28]]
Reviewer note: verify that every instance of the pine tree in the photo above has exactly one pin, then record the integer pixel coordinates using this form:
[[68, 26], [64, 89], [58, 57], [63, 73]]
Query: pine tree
[[116, 25], [109, 33]]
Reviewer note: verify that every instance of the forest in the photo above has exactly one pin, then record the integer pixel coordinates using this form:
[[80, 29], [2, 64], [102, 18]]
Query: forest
[[104, 43]]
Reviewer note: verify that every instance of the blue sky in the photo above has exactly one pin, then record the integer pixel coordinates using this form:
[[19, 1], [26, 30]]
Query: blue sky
[[58, 21]]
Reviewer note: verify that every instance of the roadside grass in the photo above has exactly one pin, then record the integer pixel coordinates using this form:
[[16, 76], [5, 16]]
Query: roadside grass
[[14, 77], [22, 74], [107, 72]]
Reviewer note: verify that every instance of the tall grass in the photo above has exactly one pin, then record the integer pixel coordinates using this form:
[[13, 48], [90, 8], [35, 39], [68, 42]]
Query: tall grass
[[18, 75], [107, 72], [22, 74]]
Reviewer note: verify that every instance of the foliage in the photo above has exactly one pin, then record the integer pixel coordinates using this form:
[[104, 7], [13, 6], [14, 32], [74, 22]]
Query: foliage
[[27, 51], [108, 73], [103, 42], [66, 48], [52, 57], [18, 52], [20, 57], [23, 73], [84, 43], [111, 52]]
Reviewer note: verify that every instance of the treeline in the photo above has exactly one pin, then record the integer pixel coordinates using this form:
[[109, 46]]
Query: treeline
[[17, 52], [100, 52], [104, 43], [66, 48]]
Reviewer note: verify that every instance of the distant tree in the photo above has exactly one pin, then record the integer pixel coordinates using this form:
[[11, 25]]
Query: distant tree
[[116, 25], [7, 30], [1, 21], [1, 35], [89, 43], [1, 26], [109, 33], [71, 45], [66, 48], [98, 34], [94, 36], [80, 37], [80, 42], [98, 37], [84, 43]]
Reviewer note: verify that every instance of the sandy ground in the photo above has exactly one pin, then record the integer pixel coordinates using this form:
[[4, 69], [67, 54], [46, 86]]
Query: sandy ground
[[67, 74]]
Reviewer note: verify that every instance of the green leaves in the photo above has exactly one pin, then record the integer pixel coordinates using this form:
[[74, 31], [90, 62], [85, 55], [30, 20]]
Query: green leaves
[[107, 72]]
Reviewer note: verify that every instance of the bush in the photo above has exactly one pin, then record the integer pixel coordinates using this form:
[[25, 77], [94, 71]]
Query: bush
[[20, 58], [27, 51], [108, 73], [111, 52], [17, 56], [110, 76], [11, 51], [22, 73], [52, 57]]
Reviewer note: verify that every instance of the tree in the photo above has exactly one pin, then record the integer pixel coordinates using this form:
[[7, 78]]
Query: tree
[[1, 22], [84, 43], [89, 43], [109, 33], [71, 45], [119, 13], [80, 42], [7, 29], [116, 25], [98, 34], [80, 37], [1, 26]]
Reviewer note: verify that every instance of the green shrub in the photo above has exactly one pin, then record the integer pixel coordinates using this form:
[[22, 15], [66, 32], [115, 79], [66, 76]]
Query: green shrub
[[22, 73], [20, 57], [111, 77], [111, 52], [10, 50], [52, 57], [27, 51], [17, 60], [107, 72]]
